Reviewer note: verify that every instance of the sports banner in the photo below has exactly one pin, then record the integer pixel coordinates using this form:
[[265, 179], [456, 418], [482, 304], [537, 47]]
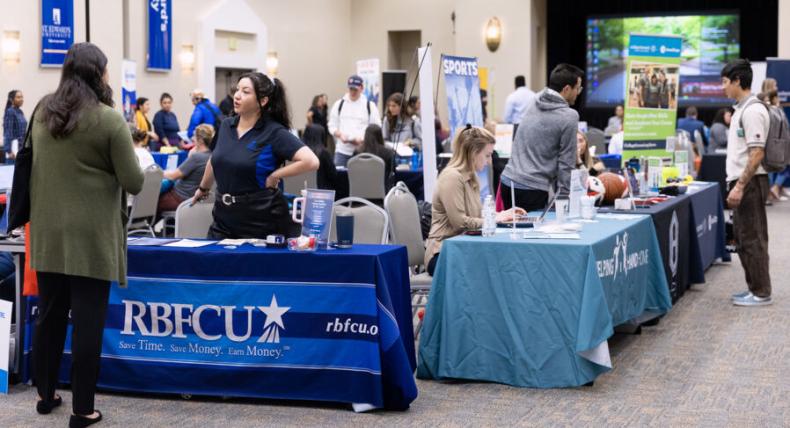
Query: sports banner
[[128, 89], [57, 31], [370, 72], [462, 84], [652, 76], [160, 35]]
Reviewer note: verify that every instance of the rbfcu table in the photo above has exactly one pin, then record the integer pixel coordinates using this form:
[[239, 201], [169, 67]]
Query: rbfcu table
[[333, 325], [538, 312]]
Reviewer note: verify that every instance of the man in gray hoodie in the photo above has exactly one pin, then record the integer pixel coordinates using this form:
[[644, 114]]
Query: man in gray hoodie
[[544, 150]]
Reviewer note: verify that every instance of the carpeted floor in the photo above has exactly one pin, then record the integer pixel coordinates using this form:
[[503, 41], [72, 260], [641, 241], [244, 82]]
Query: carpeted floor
[[707, 363]]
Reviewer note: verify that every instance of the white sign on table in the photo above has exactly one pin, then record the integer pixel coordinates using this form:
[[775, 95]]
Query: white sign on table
[[5, 338]]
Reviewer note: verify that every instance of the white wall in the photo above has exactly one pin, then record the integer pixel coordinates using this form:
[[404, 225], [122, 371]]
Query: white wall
[[310, 36], [783, 50]]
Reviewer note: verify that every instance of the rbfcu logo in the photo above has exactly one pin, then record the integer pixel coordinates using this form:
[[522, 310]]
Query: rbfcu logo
[[156, 319]]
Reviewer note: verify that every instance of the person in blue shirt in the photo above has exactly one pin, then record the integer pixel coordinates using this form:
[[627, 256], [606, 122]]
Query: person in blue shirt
[[14, 124], [691, 124], [248, 162], [518, 101], [166, 122], [205, 112]]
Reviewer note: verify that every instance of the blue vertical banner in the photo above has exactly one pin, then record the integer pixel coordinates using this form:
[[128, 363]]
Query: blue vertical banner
[[779, 69], [160, 35], [57, 31], [128, 89], [462, 84]]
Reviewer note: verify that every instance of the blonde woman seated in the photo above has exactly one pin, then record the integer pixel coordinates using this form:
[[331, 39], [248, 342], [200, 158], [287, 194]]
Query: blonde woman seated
[[456, 200]]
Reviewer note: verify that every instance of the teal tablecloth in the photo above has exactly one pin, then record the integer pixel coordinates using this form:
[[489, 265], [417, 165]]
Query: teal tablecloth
[[520, 312]]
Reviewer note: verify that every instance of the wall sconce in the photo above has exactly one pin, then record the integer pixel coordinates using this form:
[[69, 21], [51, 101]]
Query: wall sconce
[[493, 34], [272, 63], [187, 57], [11, 46]]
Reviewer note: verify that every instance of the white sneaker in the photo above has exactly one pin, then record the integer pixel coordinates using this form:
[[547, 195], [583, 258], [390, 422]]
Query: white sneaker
[[752, 300], [741, 295]]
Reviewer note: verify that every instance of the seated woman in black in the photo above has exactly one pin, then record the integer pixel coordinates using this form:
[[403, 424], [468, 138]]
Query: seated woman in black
[[248, 163], [314, 137]]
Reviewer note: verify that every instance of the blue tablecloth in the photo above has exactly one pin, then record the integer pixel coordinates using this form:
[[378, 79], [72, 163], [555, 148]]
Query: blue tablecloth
[[521, 312], [334, 325], [162, 158], [707, 211]]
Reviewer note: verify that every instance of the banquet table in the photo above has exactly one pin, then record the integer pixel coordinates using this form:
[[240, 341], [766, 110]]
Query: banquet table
[[538, 312], [690, 230], [170, 161], [330, 325]]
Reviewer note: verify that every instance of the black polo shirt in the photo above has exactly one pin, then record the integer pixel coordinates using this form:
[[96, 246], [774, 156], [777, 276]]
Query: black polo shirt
[[242, 165]]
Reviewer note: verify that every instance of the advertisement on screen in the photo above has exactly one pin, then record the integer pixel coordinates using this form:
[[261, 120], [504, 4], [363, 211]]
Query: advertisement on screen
[[709, 42], [160, 35], [57, 31], [651, 94], [462, 84], [128, 88], [370, 72]]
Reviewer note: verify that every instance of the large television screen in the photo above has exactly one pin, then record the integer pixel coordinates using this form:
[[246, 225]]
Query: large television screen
[[709, 42]]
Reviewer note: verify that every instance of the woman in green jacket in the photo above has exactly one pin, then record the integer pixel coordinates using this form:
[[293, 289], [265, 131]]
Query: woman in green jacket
[[83, 163]]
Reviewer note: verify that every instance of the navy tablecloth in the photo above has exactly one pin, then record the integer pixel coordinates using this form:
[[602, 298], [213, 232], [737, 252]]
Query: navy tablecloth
[[334, 325]]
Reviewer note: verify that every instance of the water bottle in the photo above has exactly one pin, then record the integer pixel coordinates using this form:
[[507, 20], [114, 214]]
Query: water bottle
[[489, 217], [415, 160]]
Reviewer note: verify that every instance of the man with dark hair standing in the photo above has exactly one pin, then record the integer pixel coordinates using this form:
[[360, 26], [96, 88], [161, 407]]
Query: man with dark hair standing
[[544, 150], [518, 101], [690, 123], [747, 182]]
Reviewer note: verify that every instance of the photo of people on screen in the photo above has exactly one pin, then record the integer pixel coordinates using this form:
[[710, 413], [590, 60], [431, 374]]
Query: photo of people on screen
[[653, 86]]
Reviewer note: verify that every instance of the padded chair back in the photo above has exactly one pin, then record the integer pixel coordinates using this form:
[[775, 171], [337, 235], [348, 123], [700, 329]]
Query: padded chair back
[[145, 203], [366, 177], [401, 206], [295, 184], [596, 138], [194, 221], [371, 222]]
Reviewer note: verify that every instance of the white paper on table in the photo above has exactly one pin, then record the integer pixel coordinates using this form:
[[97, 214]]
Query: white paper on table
[[189, 243], [238, 242], [539, 235], [172, 162], [402, 149], [5, 342], [183, 135], [612, 216], [598, 355]]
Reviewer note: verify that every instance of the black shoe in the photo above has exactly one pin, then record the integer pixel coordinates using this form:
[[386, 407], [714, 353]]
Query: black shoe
[[44, 407], [77, 421]]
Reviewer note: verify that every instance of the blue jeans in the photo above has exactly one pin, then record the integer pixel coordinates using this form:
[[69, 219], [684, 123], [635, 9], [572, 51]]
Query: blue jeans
[[341, 159], [779, 178]]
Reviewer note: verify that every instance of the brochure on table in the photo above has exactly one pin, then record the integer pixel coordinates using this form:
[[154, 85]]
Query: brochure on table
[[5, 338]]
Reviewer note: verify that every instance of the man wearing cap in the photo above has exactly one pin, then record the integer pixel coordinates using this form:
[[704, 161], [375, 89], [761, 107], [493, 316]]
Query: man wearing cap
[[349, 118]]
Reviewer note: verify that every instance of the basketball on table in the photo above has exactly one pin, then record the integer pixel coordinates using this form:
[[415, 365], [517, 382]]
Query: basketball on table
[[616, 186]]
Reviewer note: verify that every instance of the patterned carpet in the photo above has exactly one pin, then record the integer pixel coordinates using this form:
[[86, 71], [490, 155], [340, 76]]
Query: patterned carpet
[[706, 364]]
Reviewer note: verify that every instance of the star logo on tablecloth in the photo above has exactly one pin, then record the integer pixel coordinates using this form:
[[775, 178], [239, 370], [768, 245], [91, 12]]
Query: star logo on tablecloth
[[274, 321]]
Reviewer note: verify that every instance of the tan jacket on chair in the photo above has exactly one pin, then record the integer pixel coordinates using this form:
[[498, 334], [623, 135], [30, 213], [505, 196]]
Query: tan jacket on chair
[[456, 208]]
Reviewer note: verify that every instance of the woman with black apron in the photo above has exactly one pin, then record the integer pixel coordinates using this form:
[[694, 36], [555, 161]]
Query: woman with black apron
[[247, 163]]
